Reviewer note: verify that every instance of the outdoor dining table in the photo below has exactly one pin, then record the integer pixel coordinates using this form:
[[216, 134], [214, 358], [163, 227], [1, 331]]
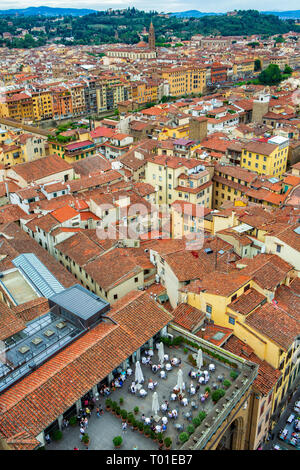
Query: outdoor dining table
[[168, 366], [142, 392], [194, 405], [188, 415], [173, 396], [211, 367]]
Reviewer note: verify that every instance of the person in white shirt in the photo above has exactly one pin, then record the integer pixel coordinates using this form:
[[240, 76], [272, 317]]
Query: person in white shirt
[[174, 413], [164, 420]]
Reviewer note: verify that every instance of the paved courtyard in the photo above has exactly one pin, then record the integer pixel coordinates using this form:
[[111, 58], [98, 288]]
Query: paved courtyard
[[102, 430]]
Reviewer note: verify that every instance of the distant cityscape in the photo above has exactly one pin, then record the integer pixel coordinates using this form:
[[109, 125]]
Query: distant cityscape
[[149, 231]]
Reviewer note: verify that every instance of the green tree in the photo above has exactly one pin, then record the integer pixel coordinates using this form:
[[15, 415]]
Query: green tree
[[287, 70], [257, 65], [271, 75]]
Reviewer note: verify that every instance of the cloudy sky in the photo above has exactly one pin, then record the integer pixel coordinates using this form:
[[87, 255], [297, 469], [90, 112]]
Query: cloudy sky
[[167, 6]]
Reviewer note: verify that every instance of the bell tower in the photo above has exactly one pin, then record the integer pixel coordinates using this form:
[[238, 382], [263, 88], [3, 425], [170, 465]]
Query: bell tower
[[151, 37]]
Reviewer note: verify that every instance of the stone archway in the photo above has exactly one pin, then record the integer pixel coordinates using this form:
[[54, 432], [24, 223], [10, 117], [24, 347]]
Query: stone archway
[[233, 437]]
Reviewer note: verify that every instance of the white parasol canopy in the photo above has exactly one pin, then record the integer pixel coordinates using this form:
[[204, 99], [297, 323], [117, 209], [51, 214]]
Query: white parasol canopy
[[139, 378], [180, 384], [199, 359], [155, 404], [161, 353]]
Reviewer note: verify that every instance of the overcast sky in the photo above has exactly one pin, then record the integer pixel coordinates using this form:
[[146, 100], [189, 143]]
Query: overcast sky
[[167, 6]]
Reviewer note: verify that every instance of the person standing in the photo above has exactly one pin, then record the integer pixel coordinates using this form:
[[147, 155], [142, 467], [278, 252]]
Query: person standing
[[124, 427]]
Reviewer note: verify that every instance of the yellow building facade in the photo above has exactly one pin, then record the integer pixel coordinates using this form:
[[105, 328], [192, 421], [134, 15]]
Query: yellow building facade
[[185, 80]]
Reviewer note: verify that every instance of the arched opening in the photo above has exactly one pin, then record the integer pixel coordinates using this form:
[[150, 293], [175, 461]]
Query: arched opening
[[233, 436]]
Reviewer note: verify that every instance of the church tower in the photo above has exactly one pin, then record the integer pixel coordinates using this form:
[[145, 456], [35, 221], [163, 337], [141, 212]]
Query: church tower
[[151, 37]]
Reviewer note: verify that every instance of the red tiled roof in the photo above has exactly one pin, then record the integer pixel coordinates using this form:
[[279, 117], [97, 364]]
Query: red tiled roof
[[267, 376], [64, 213]]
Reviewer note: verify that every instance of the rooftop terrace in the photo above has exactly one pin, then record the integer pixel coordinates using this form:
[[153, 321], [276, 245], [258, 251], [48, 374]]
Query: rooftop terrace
[[102, 430]]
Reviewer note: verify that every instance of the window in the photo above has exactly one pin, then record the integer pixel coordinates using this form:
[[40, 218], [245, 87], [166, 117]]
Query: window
[[233, 297], [136, 279], [208, 308], [231, 320], [115, 296], [278, 248]]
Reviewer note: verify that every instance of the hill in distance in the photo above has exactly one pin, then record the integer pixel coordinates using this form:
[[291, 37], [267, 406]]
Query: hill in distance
[[199, 14], [48, 11]]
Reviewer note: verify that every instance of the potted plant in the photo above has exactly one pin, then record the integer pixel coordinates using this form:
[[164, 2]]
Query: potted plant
[[196, 421], [121, 401], [201, 416], [147, 430], [141, 427], [136, 410], [217, 394], [114, 406], [135, 424], [130, 418], [85, 439], [190, 429], [160, 439], [152, 435], [117, 441], [226, 383], [108, 404], [168, 443], [183, 437], [185, 350], [124, 415], [73, 421], [233, 374]]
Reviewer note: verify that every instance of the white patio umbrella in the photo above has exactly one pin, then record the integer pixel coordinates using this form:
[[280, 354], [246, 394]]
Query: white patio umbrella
[[139, 378], [161, 353], [199, 359], [180, 384], [155, 404]]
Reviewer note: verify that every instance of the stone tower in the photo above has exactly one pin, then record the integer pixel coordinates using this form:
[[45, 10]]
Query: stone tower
[[198, 128], [260, 107], [151, 37]]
